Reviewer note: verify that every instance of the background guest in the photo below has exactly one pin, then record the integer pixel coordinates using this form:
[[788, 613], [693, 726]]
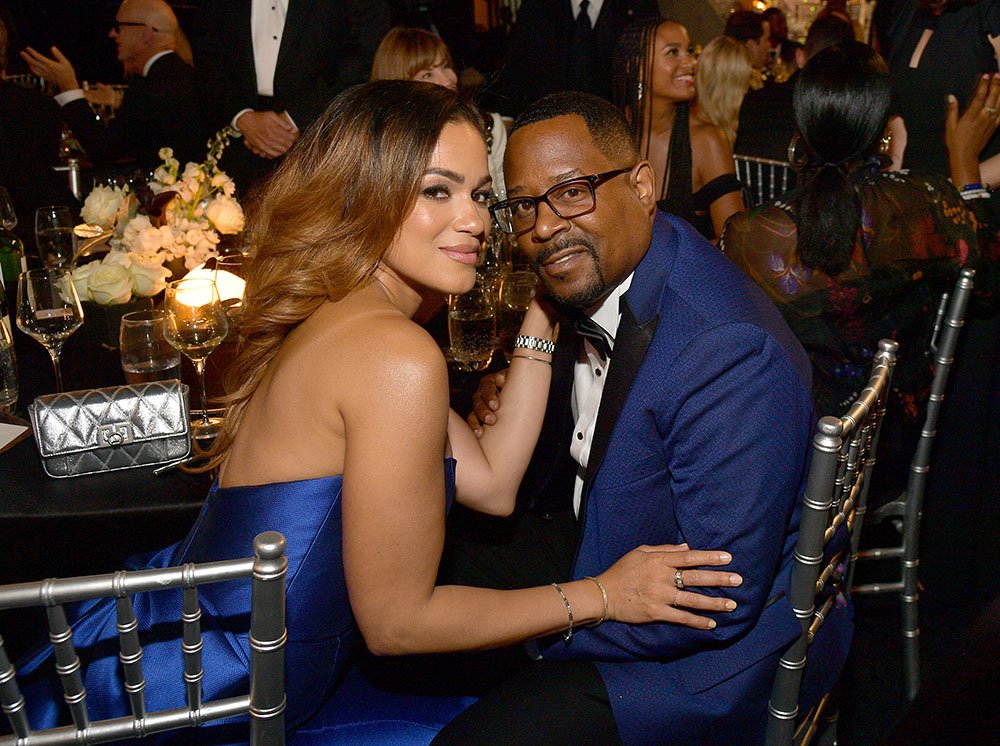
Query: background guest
[[856, 254], [750, 28], [782, 48], [721, 83], [939, 47], [559, 45], [654, 83], [29, 148], [416, 54], [766, 124], [271, 75], [159, 108]]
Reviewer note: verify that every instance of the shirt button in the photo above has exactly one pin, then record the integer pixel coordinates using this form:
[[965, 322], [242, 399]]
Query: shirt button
[[597, 372], [275, 38], [579, 436]]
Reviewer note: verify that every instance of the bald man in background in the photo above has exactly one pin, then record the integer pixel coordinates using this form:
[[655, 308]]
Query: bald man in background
[[159, 108]]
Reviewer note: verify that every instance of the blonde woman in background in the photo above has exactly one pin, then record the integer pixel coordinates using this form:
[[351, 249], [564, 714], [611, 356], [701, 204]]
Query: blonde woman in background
[[416, 54], [721, 82]]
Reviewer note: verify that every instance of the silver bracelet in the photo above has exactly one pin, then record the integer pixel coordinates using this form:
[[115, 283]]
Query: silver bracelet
[[535, 343], [604, 597], [568, 634]]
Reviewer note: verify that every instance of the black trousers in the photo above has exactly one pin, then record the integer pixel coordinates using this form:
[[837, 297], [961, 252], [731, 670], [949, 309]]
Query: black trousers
[[541, 702]]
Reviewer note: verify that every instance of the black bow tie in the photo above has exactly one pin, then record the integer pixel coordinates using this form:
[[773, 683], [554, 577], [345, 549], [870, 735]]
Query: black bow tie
[[590, 330]]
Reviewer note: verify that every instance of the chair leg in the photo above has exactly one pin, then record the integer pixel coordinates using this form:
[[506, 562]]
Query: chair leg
[[911, 594]]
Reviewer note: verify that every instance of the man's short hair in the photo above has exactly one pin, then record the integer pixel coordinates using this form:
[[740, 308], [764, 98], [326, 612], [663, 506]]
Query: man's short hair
[[745, 25], [605, 122], [826, 31]]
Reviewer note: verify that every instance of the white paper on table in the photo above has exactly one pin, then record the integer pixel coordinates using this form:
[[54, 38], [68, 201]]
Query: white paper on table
[[9, 432]]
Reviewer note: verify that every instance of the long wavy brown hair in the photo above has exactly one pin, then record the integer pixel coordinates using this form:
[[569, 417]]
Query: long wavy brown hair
[[329, 214]]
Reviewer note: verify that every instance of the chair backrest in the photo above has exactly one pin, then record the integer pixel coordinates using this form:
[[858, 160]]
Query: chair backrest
[[763, 179], [265, 700], [843, 455]]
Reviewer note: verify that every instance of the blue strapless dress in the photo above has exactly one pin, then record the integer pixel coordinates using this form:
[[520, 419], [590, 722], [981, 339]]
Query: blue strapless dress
[[320, 625]]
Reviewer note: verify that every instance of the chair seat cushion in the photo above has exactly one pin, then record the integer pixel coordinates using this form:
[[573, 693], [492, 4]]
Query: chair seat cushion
[[361, 714]]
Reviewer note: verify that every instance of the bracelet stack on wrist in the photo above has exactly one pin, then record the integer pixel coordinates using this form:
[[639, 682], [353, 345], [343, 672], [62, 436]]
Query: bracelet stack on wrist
[[533, 344], [604, 598], [975, 191]]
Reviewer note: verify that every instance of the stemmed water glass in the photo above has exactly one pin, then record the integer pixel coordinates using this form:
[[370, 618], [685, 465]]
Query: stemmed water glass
[[49, 310], [54, 235], [8, 218], [196, 325]]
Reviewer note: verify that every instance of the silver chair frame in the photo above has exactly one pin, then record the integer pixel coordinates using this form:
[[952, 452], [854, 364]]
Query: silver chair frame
[[763, 179], [908, 506], [265, 701], [843, 456]]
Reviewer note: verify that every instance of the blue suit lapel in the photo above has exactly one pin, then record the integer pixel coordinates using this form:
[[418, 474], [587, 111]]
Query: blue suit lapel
[[640, 318]]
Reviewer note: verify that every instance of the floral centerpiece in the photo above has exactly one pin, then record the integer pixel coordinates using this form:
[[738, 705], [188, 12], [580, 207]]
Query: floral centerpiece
[[177, 216]]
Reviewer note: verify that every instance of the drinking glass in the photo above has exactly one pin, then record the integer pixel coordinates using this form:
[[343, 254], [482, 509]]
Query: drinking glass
[[472, 328], [145, 352], [230, 279], [54, 235], [49, 310], [8, 218], [516, 292], [8, 372], [196, 325]]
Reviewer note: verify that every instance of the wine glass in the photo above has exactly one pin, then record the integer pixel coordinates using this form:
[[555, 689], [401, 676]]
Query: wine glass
[[145, 352], [49, 310], [196, 325], [54, 235], [8, 372], [8, 218], [230, 279]]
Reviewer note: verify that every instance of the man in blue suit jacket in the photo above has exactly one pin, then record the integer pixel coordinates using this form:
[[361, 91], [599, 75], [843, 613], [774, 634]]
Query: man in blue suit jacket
[[695, 429]]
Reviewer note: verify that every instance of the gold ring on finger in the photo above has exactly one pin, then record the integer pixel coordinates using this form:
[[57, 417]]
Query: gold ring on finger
[[990, 109], [679, 579]]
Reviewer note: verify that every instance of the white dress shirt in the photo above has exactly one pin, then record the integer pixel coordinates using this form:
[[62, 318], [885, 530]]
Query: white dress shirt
[[593, 10], [589, 375], [267, 23]]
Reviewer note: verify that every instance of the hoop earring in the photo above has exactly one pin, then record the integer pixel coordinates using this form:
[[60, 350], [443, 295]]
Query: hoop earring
[[638, 92]]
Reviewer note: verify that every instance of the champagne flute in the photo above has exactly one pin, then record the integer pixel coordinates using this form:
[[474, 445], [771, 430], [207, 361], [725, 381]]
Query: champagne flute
[[230, 279], [516, 292], [49, 310], [472, 327], [54, 235], [8, 218], [196, 325]]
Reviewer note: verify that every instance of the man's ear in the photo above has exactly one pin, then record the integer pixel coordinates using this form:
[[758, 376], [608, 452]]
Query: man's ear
[[645, 183], [800, 57]]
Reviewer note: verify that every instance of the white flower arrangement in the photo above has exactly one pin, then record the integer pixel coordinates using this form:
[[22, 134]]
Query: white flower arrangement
[[178, 215]]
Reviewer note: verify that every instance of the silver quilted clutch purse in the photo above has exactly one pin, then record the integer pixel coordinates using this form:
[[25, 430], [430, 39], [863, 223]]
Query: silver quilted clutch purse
[[119, 427]]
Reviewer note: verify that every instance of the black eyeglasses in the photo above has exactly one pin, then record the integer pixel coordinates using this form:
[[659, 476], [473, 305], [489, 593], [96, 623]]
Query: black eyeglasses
[[117, 26], [567, 199]]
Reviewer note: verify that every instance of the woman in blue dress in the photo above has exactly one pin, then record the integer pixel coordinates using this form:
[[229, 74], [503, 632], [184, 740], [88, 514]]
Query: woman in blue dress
[[338, 431]]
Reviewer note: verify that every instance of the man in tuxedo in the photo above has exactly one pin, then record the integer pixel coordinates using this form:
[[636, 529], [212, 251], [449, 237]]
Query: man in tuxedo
[[158, 109], [270, 67], [680, 411], [560, 45]]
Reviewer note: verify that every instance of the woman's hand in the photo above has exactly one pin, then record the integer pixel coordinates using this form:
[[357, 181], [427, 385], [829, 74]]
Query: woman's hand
[[966, 135], [642, 585]]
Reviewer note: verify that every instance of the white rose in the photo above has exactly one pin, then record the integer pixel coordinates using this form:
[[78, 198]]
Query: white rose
[[81, 279], [110, 284], [148, 278], [101, 205], [226, 214]]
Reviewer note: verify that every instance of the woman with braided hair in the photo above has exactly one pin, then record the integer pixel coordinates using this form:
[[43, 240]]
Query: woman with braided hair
[[653, 78]]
